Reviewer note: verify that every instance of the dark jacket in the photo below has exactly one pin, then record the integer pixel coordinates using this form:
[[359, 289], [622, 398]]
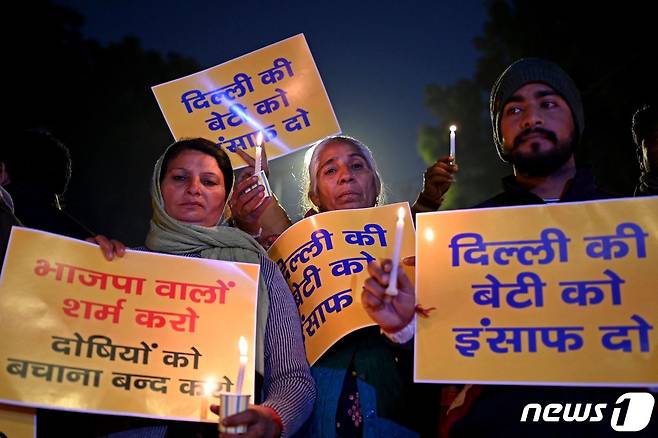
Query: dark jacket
[[581, 188]]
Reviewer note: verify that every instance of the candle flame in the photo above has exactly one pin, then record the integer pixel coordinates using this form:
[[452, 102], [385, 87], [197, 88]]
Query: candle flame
[[242, 345], [453, 128], [429, 234], [259, 138], [401, 213], [208, 387]]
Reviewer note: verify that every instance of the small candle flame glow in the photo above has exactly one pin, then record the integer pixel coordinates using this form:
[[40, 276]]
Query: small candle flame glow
[[208, 388], [429, 234], [259, 138], [453, 128]]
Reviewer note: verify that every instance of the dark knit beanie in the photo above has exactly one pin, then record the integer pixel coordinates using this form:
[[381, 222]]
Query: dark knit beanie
[[526, 71]]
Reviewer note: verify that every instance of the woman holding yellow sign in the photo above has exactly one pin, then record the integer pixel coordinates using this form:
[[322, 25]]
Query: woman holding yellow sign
[[364, 382], [189, 188]]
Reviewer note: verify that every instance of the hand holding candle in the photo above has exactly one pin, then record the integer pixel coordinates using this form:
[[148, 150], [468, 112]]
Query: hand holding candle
[[392, 288], [242, 345], [453, 128]]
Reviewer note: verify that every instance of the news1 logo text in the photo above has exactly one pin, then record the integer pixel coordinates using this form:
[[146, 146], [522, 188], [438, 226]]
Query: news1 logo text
[[630, 413]]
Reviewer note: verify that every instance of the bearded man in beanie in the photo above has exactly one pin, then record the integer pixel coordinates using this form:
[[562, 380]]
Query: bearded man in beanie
[[538, 121]]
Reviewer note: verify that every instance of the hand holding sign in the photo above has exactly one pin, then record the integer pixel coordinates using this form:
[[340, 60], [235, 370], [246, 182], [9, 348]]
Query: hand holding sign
[[109, 247]]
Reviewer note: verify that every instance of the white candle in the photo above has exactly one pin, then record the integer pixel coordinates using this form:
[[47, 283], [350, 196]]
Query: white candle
[[453, 128], [208, 388], [392, 288], [259, 151], [242, 345]]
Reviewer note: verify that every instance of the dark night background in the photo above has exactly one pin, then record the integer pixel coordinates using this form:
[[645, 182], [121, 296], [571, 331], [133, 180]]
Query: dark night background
[[397, 73]]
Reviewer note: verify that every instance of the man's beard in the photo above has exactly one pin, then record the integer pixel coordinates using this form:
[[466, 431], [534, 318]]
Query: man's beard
[[540, 163]]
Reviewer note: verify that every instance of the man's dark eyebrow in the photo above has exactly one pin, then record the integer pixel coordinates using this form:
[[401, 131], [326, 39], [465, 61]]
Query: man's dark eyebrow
[[546, 92]]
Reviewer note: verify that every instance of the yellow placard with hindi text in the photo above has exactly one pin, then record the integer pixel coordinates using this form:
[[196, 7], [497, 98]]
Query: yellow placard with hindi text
[[276, 90], [561, 294], [324, 257], [17, 422], [146, 334]]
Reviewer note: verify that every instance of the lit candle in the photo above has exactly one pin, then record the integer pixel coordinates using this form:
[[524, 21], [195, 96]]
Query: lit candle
[[392, 288], [259, 151], [453, 128], [242, 345], [208, 388]]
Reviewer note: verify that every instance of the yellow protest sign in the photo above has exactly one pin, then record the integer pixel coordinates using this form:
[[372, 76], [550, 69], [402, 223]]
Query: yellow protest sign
[[147, 334], [276, 91], [17, 422], [555, 294], [324, 257]]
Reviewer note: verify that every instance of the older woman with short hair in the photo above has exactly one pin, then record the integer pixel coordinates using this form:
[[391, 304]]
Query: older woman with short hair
[[364, 382], [341, 174]]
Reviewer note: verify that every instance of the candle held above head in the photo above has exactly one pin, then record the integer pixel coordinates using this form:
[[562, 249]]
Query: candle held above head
[[453, 128]]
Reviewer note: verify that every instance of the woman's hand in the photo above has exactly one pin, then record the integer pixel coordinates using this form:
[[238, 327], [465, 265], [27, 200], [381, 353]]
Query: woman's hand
[[261, 421], [248, 201], [392, 313], [109, 247]]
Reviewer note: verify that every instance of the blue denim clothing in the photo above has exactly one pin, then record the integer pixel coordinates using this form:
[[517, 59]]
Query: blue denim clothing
[[322, 423]]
